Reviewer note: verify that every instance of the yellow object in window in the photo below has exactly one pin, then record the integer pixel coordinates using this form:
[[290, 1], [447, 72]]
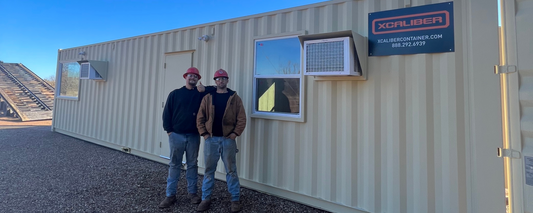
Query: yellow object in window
[[266, 101]]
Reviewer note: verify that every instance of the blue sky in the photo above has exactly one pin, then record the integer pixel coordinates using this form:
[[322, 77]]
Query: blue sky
[[31, 31], [275, 55]]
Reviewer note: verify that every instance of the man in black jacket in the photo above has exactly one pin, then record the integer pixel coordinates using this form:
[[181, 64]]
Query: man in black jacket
[[179, 121]]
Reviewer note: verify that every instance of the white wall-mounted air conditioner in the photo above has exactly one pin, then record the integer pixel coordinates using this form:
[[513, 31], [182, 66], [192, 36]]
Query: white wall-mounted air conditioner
[[93, 70], [331, 57]]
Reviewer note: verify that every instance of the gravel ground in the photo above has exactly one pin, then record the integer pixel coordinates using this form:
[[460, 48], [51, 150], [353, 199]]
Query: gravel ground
[[43, 171]]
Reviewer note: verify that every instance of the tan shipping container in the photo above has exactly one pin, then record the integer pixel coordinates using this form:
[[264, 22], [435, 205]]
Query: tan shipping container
[[419, 135]]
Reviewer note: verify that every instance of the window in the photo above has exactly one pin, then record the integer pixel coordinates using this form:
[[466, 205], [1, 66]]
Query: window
[[69, 80], [277, 77]]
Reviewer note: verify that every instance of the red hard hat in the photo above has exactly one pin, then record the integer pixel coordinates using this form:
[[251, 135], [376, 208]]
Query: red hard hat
[[193, 70], [221, 73]]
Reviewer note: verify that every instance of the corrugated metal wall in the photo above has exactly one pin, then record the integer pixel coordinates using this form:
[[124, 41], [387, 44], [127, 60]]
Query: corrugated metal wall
[[517, 98], [394, 143], [123, 110], [524, 31]]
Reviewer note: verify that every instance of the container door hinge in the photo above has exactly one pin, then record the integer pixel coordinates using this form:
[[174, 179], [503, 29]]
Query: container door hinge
[[160, 143], [509, 153], [499, 69], [165, 65]]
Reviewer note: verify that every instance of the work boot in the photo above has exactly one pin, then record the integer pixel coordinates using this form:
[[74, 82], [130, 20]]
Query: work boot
[[236, 206], [204, 205], [167, 202], [195, 199]]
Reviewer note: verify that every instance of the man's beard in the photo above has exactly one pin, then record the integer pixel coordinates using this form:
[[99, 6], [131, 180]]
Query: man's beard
[[192, 84]]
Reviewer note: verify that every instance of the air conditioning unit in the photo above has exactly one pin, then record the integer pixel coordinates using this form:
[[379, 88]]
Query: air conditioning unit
[[93, 70], [331, 57]]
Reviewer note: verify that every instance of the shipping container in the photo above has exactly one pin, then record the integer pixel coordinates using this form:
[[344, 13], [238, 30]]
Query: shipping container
[[414, 133]]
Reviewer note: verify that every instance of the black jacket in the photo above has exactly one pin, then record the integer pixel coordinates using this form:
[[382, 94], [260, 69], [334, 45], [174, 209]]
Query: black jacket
[[182, 104]]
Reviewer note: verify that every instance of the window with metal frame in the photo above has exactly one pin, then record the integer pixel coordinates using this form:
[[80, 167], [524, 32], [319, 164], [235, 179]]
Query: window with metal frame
[[278, 77], [69, 79]]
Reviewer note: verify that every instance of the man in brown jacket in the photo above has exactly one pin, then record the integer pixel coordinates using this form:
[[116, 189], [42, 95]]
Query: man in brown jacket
[[221, 118]]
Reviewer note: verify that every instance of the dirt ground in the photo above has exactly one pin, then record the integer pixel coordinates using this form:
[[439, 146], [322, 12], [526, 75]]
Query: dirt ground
[[45, 171], [6, 121]]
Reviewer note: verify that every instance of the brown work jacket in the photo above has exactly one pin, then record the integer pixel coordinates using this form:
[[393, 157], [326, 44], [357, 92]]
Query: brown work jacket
[[233, 121]]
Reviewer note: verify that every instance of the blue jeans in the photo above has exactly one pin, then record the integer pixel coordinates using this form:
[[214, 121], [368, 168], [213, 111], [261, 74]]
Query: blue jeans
[[216, 147], [179, 143]]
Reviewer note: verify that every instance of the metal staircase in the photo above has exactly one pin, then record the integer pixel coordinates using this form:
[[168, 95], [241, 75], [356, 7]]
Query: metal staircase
[[24, 94]]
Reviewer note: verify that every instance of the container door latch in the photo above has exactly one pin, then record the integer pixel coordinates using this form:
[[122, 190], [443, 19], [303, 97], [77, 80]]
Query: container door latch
[[502, 153], [504, 69]]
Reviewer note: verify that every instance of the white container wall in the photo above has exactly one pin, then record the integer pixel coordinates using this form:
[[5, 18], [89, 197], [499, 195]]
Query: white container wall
[[418, 136], [524, 49], [517, 50]]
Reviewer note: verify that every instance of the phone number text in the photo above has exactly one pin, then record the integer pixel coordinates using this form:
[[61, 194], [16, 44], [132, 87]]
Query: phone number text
[[408, 44]]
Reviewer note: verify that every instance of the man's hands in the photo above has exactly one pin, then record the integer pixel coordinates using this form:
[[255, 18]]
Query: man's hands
[[200, 87], [232, 136]]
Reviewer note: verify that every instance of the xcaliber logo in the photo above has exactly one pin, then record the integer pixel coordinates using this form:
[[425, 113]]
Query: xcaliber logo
[[413, 22]]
